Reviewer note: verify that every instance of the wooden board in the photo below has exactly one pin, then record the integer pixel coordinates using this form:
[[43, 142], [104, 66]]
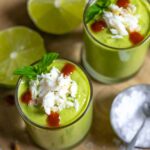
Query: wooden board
[[101, 135]]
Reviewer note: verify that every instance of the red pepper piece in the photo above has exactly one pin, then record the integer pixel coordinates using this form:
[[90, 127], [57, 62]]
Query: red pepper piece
[[98, 26], [123, 3], [26, 97], [53, 119], [68, 69], [136, 37]]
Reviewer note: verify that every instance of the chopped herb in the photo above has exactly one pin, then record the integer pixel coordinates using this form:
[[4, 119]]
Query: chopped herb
[[31, 72], [97, 9]]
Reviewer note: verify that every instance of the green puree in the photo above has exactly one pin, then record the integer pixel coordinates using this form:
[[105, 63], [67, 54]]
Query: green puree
[[37, 115], [105, 36], [112, 60]]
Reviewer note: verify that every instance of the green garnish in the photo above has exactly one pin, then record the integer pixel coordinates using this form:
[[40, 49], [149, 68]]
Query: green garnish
[[97, 9], [31, 72]]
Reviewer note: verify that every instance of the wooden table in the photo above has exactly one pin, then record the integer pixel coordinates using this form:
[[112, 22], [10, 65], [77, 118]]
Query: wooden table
[[101, 136]]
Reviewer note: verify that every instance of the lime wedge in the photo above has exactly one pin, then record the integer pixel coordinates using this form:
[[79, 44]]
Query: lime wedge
[[56, 16], [19, 46]]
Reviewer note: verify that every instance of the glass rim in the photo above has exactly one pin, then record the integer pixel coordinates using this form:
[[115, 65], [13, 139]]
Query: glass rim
[[146, 85], [105, 45], [27, 120]]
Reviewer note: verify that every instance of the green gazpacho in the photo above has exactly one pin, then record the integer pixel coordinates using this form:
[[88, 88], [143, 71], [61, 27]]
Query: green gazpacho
[[54, 99], [116, 38]]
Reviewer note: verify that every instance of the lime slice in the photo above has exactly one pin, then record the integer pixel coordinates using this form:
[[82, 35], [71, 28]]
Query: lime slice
[[56, 16], [19, 46]]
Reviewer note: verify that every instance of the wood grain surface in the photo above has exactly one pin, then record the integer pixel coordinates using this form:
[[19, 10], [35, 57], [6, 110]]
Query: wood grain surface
[[101, 135]]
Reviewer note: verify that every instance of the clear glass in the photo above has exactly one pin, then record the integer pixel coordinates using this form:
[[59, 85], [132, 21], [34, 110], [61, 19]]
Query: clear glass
[[108, 64], [63, 137]]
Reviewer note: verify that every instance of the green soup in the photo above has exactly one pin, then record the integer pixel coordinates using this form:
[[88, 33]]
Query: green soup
[[74, 125], [111, 60]]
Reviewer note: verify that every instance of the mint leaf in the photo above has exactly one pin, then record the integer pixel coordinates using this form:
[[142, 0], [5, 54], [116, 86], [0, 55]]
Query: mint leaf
[[91, 12], [41, 67], [31, 72], [103, 3], [27, 71], [96, 9]]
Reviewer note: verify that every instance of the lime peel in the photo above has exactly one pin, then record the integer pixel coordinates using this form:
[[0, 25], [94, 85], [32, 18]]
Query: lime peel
[[56, 16], [19, 46]]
